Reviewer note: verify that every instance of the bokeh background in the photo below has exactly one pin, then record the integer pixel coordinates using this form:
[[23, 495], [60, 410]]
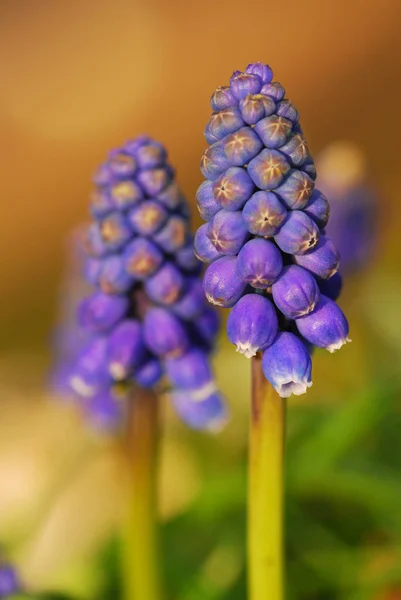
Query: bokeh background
[[80, 77]]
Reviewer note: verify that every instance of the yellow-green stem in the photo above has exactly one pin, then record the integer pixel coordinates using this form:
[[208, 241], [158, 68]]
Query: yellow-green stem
[[265, 491], [140, 550]]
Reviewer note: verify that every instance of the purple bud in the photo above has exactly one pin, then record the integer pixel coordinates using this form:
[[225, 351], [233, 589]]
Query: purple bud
[[296, 150], [223, 98], [252, 324], [206, 202], [208, 413], [221, 283], [214, 161], [101, 204], [132, 145], [192, 302], [186, 259], [318, 209], [207, 325], [287, 365], [322, 261], [273, 131], [121, 164], [298, 234], [228, 231], [259, 263], [204, 249], [326, 326], [150, 155], [296, 190], [295, 292], [233, 189], [115, 231], [166, 285], [171, 196], [93, 242], [263, 71], [92, 269], [148, 217], [165, 335], [154, 181], [126, 349], [331, 287], [125, 194], [149, 373], [240, 147], [189, 371], [287, 109], [243, 84], [90, 373], [256, 107], [114, 278], [173, 235], [274, 90], [104, 411], [9, 582], [268, 169], [222, 123], [142, 258], [101, 312], [264, 214]]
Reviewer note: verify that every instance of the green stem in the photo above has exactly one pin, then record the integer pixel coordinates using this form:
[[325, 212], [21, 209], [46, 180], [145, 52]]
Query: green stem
[[141, 569], [265, 491]]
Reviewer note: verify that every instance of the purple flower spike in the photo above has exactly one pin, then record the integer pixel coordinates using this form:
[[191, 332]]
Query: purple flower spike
[[298, 234], [259, 263], [165, 335], [125, 194], [221, 283], [154, 181], [148, 374], [101, 312], [206, 202], [9, 581], [126, 349], [223, 98], [147, 217], [233, 189], [191, 371], [166, 286], [326, 326], [273, 131], [222, 123], [264, 214], [115, 231], [331, 287], [274, 90], [268, 169], [142, 258], [243, 84], [204, 249], [252, 324], [322, 261], [318, 209], [228, 231], [173, 235], [296, 190], [241, 146], [295, 292], [113, 277], [287, 365], [150, 155], [208, 413], [264, 72], [192, 302], [255, 107]]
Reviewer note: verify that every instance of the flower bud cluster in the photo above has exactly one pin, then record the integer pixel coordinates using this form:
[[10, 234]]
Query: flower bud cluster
[[147, 318], [264, 237]]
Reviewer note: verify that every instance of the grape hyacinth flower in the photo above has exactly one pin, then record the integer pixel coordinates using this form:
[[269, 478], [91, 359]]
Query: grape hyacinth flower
[[265, 233], [139, 319], [10, 584]]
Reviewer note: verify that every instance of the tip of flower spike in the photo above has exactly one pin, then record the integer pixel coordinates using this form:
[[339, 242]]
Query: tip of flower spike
[[339, 344], [285, 390], [247, 349]]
